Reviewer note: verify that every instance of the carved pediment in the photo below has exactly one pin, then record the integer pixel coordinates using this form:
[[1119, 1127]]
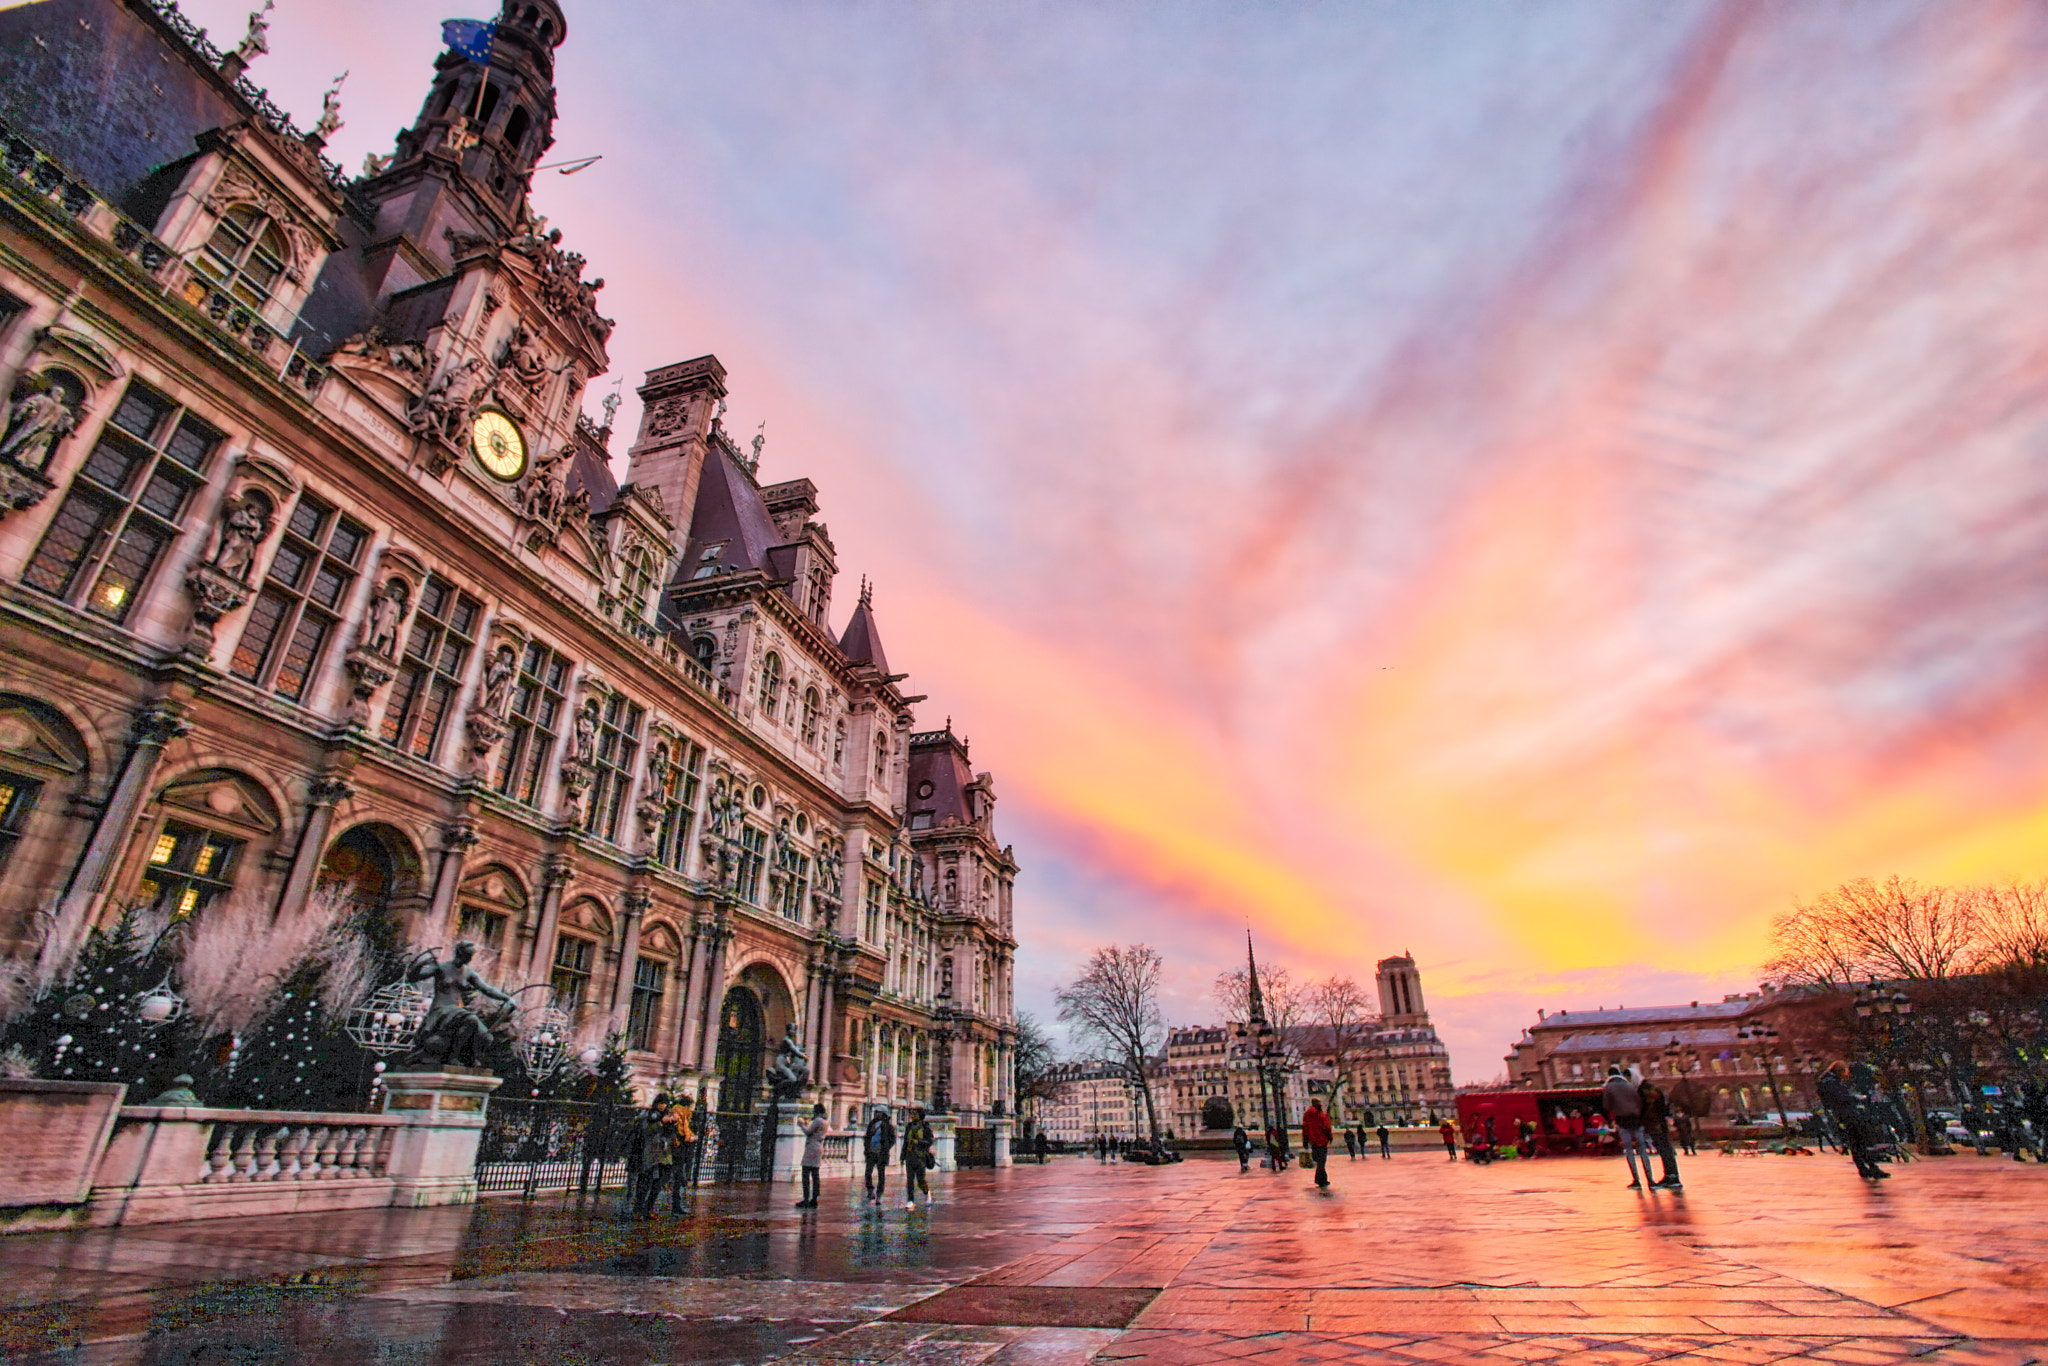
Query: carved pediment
[[74, 349], [661, 940], [34, 741], [497, 886], [590, 917], [217, 795]]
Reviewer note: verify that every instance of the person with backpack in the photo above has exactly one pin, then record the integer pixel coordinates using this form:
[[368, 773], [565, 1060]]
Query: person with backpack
[[917, 1158], [1242, 1141], [876, 1144], [1623, 1104]]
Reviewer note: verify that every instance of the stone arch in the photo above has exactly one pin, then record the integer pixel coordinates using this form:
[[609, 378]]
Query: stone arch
[[378, 867], [46, 766], [771, 989], [208, 832]]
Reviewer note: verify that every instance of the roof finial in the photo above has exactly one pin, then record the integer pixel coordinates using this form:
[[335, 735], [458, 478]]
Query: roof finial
[[867, 594]]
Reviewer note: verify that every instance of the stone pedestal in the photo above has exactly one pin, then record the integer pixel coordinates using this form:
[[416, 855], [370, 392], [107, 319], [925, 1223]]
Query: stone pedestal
[[789, 1149], [1002, 1141], [433, 1156], [55, 1134], [943, 1142]]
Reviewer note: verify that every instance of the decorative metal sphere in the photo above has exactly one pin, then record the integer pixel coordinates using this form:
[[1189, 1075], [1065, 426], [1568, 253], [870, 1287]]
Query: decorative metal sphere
[[388, 1020], [159, 1007], [543, 1046]]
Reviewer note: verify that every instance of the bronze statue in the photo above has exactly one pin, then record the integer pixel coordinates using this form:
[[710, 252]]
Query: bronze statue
[[791, 1068], [452, 1032]]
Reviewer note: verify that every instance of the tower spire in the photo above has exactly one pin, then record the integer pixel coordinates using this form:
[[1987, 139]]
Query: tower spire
[[1256, 998]]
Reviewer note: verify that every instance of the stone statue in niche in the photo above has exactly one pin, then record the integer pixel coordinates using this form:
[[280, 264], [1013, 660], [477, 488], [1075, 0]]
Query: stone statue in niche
[[524, 358], [448, 404], [586, 733], [387, 613], [37, 418], [498, 677], [244, 522]]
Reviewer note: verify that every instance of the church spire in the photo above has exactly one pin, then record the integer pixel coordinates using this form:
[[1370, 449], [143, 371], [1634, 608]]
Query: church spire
[[1256, 998]]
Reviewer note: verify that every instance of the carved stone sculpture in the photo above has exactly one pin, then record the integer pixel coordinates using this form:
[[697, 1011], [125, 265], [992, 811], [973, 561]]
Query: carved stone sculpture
[[244, 522], [452, 1032], [445, 409], [791, 1070], [386, 615], [498, 677], [37, 418]]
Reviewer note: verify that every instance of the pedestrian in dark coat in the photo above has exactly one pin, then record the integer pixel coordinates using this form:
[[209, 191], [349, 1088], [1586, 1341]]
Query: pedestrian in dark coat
[[1386, 1146], [1042, 1147], [1847, 1112], [1242, 1141], [917, 1158], [1657, 1128], [876, 1145]]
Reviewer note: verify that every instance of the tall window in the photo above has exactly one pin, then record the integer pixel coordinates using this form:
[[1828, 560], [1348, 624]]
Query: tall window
[[569, 983], [483, 927], [299, 608], [753, 858], [872, 912], [771, 685], [188, 868], [125, 505], [536, 717], [618, 748], [17, 800], [430, 676], [680, 782], [810, 724], [881, 754], [636, 586], [245, 256], [795, 884], [650, 982]]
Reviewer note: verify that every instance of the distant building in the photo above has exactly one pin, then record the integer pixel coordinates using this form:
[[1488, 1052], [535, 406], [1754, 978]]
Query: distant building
[[1091, 1100], [1576, 1047]]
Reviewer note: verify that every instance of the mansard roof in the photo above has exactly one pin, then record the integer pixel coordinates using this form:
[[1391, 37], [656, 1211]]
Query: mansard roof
[[940, 759], [861, 642], [729, 516], [588, 470]]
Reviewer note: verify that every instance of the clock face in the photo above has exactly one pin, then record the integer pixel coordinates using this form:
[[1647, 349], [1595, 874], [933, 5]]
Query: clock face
[[499, 447]]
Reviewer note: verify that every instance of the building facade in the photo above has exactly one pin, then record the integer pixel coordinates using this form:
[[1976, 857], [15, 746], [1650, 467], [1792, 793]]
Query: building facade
[[1092, 1100], [1716, 1045], [315, 574]]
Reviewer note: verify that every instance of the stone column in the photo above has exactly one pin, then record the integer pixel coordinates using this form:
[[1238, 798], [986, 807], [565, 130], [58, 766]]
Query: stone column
[[828, 1040], [152, 729], [322, 796], [634, 905], [456, 842], [714, 998], [1002, 1141], [541, 961], [688, 1044], [944, 1142]]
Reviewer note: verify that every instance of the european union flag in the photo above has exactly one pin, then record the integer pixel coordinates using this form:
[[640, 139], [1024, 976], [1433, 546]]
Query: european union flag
[[471, 37]]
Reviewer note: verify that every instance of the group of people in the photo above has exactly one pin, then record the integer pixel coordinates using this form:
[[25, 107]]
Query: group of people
[[1641, 1116], [661, 1147], [1318, 1133], [877, 1143]]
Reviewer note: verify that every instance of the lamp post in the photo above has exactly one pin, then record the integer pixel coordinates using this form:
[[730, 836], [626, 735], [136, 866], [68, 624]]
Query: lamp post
[[1764, 1037], [1884, 1010]]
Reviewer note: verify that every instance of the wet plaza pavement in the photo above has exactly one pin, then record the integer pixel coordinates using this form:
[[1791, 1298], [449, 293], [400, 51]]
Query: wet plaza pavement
[[1760, 1259]]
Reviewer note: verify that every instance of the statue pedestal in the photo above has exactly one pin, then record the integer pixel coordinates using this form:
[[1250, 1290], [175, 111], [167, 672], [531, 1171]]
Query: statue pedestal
[[789, 1149], [1002, 1141], [943, 1142], [433, 1154]]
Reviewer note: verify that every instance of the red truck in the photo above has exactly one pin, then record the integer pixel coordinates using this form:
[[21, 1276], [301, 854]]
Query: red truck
[[1568, 1120]]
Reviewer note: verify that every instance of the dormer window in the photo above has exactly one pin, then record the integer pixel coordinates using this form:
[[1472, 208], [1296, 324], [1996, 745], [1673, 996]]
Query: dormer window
[[245, 256], [707, 560]]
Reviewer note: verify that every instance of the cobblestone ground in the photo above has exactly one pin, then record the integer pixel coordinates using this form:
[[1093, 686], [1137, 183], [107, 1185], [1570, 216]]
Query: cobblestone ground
[[1760, 1259]]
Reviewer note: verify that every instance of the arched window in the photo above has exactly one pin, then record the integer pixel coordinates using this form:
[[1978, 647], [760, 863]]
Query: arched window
[[516, 128], [245, 256], [881, 756], [771, 685], [704, 650]]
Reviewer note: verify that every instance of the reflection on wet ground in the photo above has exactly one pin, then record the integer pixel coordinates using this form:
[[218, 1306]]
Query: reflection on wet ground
[[1761, 1259]]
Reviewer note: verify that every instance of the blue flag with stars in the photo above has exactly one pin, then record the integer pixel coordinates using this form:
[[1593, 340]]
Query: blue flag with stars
[[471, 37]]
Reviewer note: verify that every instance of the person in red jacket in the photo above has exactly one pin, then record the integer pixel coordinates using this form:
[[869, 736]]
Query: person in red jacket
[[1315, 1132]]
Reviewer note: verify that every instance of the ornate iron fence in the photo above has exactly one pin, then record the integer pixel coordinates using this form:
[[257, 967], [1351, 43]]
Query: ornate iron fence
[[974, 1147], [531, 1146]]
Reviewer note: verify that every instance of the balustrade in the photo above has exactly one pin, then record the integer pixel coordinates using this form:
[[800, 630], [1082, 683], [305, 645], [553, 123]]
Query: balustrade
[[298, 1148]]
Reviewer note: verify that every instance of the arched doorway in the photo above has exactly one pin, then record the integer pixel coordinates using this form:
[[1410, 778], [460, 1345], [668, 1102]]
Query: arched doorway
[[741, 1034], [374, 870]]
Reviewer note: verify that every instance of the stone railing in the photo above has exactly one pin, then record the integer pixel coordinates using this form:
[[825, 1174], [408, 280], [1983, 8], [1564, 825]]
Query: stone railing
[[254, 1146], [44, 177]]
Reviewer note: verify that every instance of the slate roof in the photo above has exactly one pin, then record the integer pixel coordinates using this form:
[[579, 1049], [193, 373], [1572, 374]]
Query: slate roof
[[861, 642], [1697, 1011], [730, 515], [941, 760]]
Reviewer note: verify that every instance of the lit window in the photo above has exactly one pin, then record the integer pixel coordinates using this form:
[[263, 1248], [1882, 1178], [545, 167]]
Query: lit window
[[125, 506], [188, 868], [17, 800]]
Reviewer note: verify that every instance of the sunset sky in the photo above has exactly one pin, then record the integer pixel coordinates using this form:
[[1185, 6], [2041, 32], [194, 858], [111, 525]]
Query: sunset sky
[[1541, 486]]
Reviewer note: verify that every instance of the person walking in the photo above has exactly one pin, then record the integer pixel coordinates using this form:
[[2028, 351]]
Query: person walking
[[1242, 1141], [1449, 1133], [682, 1151], [1687, 1131], [1350, 1143], [1315, 1134], [1623, 1104], [1276, 1148], [657, 1155], [814, 1156], [876, 1144], [1386, 1146], [1042, 1147], [1847, 1112], [1657, 1127], [917, 1158]]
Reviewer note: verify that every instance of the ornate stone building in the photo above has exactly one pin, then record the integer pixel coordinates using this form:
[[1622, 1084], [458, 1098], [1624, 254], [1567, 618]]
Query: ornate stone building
[[313, 572]]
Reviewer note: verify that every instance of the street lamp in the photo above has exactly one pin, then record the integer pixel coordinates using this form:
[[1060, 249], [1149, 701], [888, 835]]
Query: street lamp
[[1884, 1010], [1765, 1037]]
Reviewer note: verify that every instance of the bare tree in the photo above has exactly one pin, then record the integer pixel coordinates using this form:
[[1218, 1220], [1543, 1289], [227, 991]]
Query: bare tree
[[1863, 929], [1343, 1015], [1114, 1006], [2014, 926], [1033, 1064]]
